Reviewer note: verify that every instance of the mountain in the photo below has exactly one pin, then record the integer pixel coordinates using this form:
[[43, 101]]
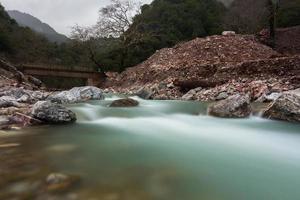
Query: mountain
[[26, 20]]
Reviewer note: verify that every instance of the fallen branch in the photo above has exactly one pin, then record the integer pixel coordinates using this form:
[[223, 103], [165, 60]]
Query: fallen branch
[[29, 118]]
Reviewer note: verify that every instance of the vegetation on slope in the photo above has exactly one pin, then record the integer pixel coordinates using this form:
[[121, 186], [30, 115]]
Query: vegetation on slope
[[251, 16]]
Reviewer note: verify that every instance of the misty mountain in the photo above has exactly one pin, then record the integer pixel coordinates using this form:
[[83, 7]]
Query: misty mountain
[[27, 20]]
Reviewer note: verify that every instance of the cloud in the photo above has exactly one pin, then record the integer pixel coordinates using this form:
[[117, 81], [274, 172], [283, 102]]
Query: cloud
[[60, 14]]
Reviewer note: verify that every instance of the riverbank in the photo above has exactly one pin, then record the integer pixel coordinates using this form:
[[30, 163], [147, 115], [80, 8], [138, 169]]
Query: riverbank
[[210, 69]]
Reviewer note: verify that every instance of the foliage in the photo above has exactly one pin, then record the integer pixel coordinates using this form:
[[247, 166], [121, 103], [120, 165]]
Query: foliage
[[289, 13], [251, 16], [164, 23]]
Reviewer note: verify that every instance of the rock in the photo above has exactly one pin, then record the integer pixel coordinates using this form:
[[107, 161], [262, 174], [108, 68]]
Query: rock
[[124, 103], [35, 81], [77, 94], [171, 85], [189, 96], [19, 76], [52, 113], [228, 33], [268, 98], [144, 93], [57, 182], [7, 101], [286, 107], [296, 92], [222, 95], [237, 106], [25, 96]]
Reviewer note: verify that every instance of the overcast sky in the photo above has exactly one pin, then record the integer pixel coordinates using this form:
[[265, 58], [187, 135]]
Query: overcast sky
[[60, 14]]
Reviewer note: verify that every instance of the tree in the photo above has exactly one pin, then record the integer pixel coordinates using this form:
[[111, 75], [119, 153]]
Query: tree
[[116, 18], [272, 6], [165, 23], [251, 16], [113, 22]]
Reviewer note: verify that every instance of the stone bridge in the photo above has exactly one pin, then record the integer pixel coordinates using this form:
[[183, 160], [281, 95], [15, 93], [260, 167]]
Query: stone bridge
[[92, 78]]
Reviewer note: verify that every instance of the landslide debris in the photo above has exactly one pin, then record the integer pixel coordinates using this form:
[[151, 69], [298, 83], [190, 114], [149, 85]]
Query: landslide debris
[[199, 55], [217, 64]]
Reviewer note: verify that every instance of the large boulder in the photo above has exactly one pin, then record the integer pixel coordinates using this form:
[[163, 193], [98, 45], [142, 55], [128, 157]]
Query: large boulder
[[124, 103], [286, 107], [237, 106], [52, 113], [77, 94]]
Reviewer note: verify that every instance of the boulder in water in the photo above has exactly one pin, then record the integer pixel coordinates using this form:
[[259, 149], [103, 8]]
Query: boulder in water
[[77, 94], [237, 106], [52, 113], [286, 107], [128, 102]]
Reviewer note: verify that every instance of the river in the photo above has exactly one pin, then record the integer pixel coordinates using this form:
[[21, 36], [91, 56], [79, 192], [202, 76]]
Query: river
[[165, 150]]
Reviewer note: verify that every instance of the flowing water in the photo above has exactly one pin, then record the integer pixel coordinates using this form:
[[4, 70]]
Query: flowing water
[[169, 150]]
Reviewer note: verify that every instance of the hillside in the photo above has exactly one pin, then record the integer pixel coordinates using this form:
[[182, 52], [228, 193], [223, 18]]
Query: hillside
[[27, 20], [214, 65]]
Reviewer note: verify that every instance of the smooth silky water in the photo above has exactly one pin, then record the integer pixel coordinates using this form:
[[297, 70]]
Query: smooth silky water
[[171, 150]]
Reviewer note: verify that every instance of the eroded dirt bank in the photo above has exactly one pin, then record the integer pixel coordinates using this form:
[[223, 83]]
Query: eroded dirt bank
[[215, 67]]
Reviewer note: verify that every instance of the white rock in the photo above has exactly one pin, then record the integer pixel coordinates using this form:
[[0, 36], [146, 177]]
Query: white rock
[[228, 33]]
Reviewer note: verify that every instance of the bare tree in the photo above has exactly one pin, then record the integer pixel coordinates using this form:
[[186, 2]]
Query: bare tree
[[85, 35], [114, 20]]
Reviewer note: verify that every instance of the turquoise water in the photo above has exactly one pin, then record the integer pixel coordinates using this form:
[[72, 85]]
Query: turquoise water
[[171, 150]]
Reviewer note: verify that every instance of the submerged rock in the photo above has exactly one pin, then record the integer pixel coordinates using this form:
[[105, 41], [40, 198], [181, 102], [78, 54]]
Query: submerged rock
[[124, 103], [286, 107], [237, 106], [52, 113], [77, 94], [57, 182]]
